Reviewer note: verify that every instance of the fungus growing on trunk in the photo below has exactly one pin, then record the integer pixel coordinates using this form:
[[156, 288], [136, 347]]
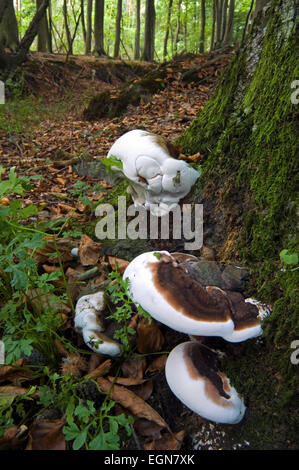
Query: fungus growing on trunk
[[158, 179], [193, 376], [169, 294]]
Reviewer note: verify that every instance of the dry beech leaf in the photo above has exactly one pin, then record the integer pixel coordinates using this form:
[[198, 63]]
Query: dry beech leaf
[[13, 390], [101, 370], [149, 337], [89, 251], [126, 381], [147, 428], [158, 364], [144, 390], [14, 372], [46, 435], [121, 264], [166, 442], [13, 438], [134, 367], [130, 400]]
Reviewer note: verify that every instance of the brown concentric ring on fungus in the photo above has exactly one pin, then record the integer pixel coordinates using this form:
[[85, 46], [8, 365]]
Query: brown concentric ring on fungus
[[193, 375]]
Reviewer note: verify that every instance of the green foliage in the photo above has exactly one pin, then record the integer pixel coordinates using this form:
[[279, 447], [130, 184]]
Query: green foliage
[[25, 324], [112, 161], [119, 294]]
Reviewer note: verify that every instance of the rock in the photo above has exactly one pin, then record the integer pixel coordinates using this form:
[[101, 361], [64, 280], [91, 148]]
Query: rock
[[235, 277], [206, 272]]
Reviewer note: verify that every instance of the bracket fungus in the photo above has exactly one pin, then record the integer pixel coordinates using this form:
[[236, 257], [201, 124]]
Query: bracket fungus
[[158, 179], [193, 375], [88, 320], [169, 294]]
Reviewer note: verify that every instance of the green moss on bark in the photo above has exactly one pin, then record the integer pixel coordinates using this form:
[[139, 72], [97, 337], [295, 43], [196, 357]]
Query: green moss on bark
[[247, 135]]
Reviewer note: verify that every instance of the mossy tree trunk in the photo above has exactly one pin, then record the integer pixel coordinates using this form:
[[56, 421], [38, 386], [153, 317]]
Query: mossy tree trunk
[[247, 137]]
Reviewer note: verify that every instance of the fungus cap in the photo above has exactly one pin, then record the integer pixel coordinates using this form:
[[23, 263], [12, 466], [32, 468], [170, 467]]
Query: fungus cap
[[193, 376], [169, 295], [87, 319], [148, 163]]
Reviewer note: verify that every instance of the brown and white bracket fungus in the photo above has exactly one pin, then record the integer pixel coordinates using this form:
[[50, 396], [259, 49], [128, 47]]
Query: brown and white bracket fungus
[[163, 288], [89, 309], [193, 376], [158, 180]]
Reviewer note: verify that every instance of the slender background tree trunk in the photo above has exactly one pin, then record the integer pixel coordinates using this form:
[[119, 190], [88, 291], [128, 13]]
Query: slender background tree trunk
[[118, 28], [99, 27], [137, 32], [202, 28], [88, 27], [149, 35]]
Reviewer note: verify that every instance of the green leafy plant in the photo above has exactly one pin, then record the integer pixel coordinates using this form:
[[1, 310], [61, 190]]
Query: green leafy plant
[[124, 308], [289, 259], [111, 161]]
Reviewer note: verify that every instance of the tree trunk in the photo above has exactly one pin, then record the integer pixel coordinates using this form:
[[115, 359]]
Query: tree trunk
[[178, 26], [149, 34], [117, 27], [67, 29], [137, 32], [50, 29], [43, 31], [202, 29], [167, 29], [224, 19], [11, 61], [213, 26], [88, 27], [99, 27], [247, 137], [83, 21], [228, 36], [9, 27]]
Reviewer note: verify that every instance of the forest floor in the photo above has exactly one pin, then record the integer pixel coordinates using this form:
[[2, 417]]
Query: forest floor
[[44, 134]]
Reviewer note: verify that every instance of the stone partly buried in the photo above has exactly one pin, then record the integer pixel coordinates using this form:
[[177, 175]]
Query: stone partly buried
[[160, 284], [158, 179]]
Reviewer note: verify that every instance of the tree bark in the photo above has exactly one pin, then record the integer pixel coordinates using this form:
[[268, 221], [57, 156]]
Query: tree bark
[[228, 36], [9, 61], [43, 31], [202, 28], [88, 27], [137, 32], [83, 20], [213, 26], [117, 28], [67, 29], [149, 34], [247, 137], [167, 29], [50, 29], [8, 26], [178, 26], [224, 19], [99, 27]]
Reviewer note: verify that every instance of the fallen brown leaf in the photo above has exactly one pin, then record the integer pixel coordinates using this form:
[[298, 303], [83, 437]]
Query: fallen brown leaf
[[14, 373], [167, 442], [158, 364], [134, 367], [46, 435], [130, 400], [149, 337], [13, 438], [101, 370], [89, 251], [121, 264]]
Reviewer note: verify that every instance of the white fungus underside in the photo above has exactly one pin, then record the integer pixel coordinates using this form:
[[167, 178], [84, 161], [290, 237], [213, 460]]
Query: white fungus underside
[[191, 392]]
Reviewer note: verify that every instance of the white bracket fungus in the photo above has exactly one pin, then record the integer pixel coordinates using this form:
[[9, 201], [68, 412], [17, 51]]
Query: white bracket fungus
[[158, 180], [194, 378], [88, 320], [172, 297]]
